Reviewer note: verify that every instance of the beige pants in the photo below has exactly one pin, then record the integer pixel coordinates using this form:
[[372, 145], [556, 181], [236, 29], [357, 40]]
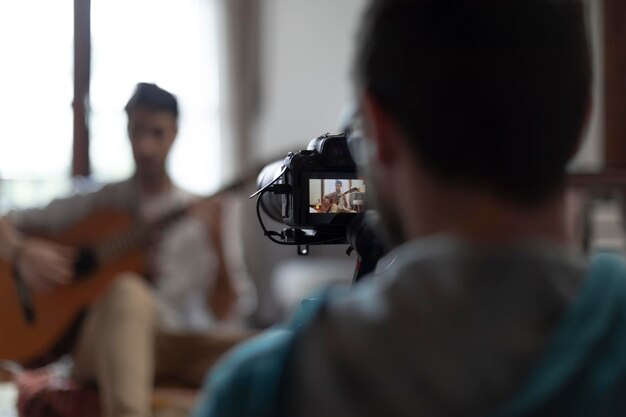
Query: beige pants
[[122, 350]]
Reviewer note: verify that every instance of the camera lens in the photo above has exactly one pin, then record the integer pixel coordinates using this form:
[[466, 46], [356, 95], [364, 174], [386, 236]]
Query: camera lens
[[271, 203]]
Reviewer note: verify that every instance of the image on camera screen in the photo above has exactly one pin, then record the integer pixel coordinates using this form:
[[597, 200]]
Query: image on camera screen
[[336, 196]]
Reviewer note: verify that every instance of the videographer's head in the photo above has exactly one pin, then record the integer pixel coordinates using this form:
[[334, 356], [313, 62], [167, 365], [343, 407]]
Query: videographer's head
[[490, 95]]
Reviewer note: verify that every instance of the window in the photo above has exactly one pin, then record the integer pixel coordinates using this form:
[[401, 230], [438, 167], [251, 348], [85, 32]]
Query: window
[[170, 42], [36, 106]]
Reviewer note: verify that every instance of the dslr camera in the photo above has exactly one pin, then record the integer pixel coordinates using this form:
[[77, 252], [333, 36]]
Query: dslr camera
[[316, 192]]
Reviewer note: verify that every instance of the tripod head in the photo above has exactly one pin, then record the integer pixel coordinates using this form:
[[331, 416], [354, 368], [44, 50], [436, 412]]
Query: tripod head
[[365, 241]]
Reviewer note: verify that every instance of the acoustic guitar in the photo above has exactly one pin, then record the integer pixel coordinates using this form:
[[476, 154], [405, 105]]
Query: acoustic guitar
[[327, 205], [109, 242]]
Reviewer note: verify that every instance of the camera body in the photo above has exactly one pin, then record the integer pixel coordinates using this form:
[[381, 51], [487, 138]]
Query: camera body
[[316, 191]]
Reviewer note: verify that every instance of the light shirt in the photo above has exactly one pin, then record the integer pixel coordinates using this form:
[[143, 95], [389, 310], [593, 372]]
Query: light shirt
[[183, 259]]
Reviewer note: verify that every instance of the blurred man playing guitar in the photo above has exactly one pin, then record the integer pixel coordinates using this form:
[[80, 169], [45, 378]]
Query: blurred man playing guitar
[[337, 201], [155, 323]]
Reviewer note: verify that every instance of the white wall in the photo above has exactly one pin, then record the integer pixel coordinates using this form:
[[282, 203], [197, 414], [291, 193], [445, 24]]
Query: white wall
[[305, 82], [307, 53]]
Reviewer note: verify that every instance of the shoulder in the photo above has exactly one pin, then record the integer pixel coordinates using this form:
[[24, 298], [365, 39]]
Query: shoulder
[[252, 378], [248, 381], [585, 353], [63, 212], [116, 196], [119, 189]]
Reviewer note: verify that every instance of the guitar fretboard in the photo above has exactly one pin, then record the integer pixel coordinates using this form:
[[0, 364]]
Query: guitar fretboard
[[142, 233]]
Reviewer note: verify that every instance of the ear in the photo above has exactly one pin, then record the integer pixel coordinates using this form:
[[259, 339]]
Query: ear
[[174, 134], [381, 130]]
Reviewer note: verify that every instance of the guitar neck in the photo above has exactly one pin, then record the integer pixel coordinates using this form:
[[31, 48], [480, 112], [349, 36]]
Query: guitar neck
[[350, 191], [142, 233]]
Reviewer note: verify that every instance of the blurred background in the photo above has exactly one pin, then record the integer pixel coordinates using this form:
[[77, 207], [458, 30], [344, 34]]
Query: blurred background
[[255, 79]]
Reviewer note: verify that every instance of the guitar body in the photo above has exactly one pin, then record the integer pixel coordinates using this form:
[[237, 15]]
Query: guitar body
[[58, 310]]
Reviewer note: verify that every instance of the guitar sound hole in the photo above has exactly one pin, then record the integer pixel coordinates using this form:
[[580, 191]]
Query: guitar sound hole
[[85, 263]]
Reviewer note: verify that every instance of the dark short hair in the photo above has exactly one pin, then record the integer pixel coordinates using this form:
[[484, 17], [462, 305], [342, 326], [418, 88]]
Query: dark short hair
[[489, 92], [152, 97]]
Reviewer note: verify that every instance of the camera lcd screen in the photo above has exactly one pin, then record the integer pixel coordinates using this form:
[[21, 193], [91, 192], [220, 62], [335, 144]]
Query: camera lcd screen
[[337, 195]]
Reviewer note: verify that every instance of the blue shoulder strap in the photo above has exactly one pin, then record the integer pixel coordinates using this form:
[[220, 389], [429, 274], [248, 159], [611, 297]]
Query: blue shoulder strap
[[250, 381], [590, 328]]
